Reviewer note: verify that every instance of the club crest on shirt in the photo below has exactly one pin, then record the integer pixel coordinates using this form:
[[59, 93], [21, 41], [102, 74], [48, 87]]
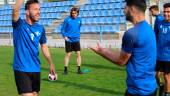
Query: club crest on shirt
[[37, 33]]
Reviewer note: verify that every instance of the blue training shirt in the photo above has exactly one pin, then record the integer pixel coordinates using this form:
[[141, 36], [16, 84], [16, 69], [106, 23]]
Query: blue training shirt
[[158, 19], [140, 42], [26, 39], [71, 29], [163, 41]]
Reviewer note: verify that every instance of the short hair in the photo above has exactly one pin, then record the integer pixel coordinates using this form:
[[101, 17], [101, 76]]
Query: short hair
[[155, 7], [139, 4], [29, 2], [74, 9], [166, 5]]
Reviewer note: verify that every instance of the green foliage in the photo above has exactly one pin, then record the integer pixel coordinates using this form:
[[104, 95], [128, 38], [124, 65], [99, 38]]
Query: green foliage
[[103, 79]]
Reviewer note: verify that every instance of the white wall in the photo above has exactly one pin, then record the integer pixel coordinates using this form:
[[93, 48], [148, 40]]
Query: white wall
[[1, 1]]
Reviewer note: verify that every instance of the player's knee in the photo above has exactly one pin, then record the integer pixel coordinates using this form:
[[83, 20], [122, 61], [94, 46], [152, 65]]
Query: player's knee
[[35, 93], [68, 55], [167, 78], [78, 54], [27, 94]]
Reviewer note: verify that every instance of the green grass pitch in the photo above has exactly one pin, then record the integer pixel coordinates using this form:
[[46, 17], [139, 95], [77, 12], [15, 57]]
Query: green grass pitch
[[104, 78]]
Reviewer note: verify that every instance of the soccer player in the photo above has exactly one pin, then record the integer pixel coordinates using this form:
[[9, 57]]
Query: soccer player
[[71, 33], [163, 47], [138, 52], [27, 36], [154, 10]]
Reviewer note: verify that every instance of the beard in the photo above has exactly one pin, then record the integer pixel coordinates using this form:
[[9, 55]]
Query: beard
[[33, 18], [129, 17], [166, 18]]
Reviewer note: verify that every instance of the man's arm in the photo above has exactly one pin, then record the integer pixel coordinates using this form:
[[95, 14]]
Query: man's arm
[[118, 58], [63, 29], [47, 55], [16, 10]]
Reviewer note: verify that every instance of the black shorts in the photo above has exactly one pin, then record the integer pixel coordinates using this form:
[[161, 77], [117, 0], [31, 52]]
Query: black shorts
[[27, 82], [163, 66], [129, 94], [72, 46]]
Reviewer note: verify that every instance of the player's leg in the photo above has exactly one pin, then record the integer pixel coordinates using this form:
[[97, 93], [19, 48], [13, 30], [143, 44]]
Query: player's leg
[[27, 94], [160, 82], [159, 73], [167, 86], [66, 62], [35, 94], [167, 78], [67, 59], [68, 49], [30, 94], [78, 58], [77, 49], [157, 77], [78, 62]]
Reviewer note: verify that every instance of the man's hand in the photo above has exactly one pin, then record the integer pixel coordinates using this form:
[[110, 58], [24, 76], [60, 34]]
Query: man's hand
[[66, 38], [117, 57], [16, 10], [97, 49], [52, 69], [47, 55]]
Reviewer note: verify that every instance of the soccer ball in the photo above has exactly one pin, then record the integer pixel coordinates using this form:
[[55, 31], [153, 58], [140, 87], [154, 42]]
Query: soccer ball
[[52, 77]]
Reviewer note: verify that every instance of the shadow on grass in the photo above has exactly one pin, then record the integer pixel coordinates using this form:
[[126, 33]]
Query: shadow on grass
[[104, 67], [87, 87], [45, 69]]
